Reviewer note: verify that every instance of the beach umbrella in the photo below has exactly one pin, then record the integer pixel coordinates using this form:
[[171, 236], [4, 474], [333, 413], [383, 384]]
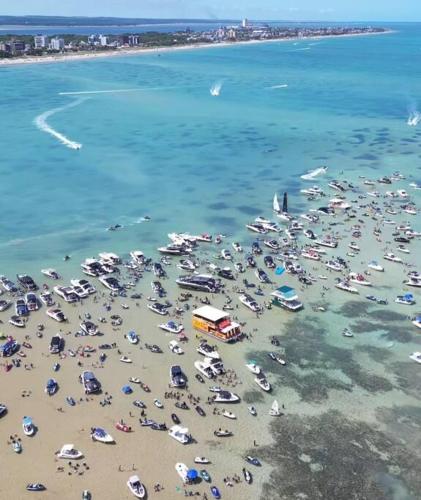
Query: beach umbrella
[[279, 270], [192, 474]]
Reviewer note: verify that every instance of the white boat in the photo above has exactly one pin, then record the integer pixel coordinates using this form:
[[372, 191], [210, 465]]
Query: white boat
[[110, 282], [89, 328], [201, 460], [28, 426], [310, 254], [416, 356], [263, 383], [175, 348], [373, 264], [274, 410], [226, 397], [359, 279], [180, 434], [56, 314], [158, 403], [137, 257], [252, 410], [204, 369], [125, 359], [182, 471], [172, 327], [253, 367], [407, 299], [84, 285], [208, 351], [50, 273], [110, 258], [413, 281], [417, 322], [226, 255], [249, 302], [136, 487], [392, 257], [69, 452], [101, 435], [228, 414], [345, 286], [257, 228], [67, 293], [237, 247]]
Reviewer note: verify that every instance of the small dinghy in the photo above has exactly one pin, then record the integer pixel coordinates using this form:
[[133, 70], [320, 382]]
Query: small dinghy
[[136, 487], [28, 426], [132, 337], [51, 387], [205, 475], [229, 414], [253, 460], [221, 433], [247, 476], [135, 380], [125, 359], [35, 487], [158, 403], [201, 460], [16, 446], [252, 410], [69, 452], [215, 492]]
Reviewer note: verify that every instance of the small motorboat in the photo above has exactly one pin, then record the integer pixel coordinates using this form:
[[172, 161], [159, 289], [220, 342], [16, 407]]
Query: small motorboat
[[132, 337], [125, 359], [139, 404], [201, 460], [35, 487], [228, 414], [253, 367], [347, 333], [199, 378], [147, 422], [274, 410], [221, 433], [135, 380], [175, 418], [263, 383], [253, 460], [175, 348], [171, 327], [69, 452], [158, 403], [181, 406], [136, 487], [70, 401], [86, 495]]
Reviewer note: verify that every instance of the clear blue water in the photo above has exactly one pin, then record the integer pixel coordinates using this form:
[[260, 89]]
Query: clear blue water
[[191, 161]]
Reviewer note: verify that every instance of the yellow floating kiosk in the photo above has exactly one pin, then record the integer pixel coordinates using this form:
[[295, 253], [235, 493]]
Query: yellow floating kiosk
[[218, 324]]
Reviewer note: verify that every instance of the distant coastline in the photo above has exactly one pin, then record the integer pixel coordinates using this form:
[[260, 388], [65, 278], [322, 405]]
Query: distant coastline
[[128, 51]]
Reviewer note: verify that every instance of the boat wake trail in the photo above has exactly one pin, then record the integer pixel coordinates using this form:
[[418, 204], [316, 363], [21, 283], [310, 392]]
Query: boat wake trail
[[115, 91], [41, 122], [215, 90], [414, 118], [314, 173], [281, 86]]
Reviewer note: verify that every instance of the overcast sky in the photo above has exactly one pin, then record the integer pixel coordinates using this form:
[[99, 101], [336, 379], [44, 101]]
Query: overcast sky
[[329, 10]]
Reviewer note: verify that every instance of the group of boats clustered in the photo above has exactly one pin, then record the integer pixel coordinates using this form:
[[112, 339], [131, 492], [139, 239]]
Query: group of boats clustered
[[279, 252]]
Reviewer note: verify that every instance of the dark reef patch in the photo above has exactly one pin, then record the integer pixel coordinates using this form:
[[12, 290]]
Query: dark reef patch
[[333, 457], [253, 397]]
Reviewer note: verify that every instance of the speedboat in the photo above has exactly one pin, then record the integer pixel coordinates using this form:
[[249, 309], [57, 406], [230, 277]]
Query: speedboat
[[99, 434], [28, 426], [248, 478], [252, 410], [69, 452], [47, 298], [175, 348], [182, 471], [310, 254], [207, 350], [136, 487], [50, 273], [407, 299], [359, 279], [8, 285], [392, 257], [262, 382], [345, 286], [178, 379], [186, 265], [21, 307], [373, 264], [215, 492], [158, 308], [226, 397], [125, 359], [132, 337], [253, 367], [272, 244], [31, 301], [56, 344], [413, 281], [204, 369], [17, 321], [172, 327], [89, 328], [226, 255], [205, 476], [416, 356], [51, 387], [327, 242], [27, 282], [84, 285], [17, 446], [228, 414], [221, 433], [137, 257], [257, 228], [180, 434], [56, 314], [277, 357], [35, 487], [239, 267], [201, 460], [262, 276], [158, 403], [417, 322], [249, 302], [253, 460]]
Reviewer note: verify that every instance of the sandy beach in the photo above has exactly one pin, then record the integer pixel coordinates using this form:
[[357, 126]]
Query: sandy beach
[[151, 454], [158, 50]]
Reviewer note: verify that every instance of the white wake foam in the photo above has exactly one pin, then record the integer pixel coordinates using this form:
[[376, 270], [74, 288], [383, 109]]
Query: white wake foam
[[414, 118], [41, 122], [281, 86], [215, 90], [314, 173], [116, 91]]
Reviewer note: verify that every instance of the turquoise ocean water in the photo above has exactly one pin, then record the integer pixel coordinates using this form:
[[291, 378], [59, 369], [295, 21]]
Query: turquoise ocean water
[[191, 161]]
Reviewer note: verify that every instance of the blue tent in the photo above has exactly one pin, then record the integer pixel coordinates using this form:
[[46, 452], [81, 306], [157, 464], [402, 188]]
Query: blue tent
[[408, 296], [127, 389], [192, 474]]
